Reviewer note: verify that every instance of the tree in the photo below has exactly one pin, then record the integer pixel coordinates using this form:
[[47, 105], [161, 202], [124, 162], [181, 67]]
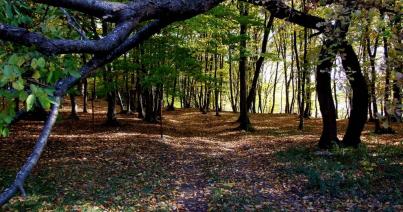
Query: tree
[[243, 117]]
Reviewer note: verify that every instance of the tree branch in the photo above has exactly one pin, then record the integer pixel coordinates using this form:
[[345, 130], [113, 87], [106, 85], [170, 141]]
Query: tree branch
[[100, 9], [51, 47], [281, 11]]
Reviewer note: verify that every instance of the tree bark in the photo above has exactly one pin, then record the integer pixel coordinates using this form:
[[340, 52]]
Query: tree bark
[[324, 91], [359, 112], [243, 117]]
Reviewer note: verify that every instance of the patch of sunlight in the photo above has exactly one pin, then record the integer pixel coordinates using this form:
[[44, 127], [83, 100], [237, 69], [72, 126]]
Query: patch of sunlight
[[174, 121], [100, 136]]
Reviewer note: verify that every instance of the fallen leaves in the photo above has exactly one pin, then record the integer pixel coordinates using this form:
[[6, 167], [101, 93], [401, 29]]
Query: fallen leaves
[[201, 165]]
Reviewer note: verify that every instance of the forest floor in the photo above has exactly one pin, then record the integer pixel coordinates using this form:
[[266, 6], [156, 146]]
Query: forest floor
[[202, 164]]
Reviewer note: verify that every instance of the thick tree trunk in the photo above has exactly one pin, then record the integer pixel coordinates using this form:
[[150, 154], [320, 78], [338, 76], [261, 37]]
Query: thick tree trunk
[[359, 112], [324, 91], [243, 118]]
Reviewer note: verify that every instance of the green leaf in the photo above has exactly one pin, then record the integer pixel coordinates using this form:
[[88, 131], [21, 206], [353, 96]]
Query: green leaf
[[34, 89], [16, 60], [75, 74], [8, 71], [5, 132], [41, 62], [45, 101], [22, 95], [18, 85], [34, 64], [9, 11], [36, 75], [50, 77], [30, 101], [8, 119]]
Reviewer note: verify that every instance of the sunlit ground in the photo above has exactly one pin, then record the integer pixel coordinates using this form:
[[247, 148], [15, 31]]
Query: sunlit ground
[[202, 164]]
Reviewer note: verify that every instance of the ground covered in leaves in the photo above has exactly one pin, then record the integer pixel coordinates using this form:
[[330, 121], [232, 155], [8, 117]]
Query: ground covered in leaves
[[201, 164]]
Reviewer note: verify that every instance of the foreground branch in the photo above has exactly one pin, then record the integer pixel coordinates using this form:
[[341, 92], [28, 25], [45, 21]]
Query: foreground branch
[[33, 158], [60, 46], [61, 90]]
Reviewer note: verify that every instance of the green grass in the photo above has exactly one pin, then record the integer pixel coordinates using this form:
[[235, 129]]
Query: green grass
[[89, 190], [358, 172]]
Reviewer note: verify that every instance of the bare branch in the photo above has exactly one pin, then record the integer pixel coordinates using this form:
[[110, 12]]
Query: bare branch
[[73, 23]]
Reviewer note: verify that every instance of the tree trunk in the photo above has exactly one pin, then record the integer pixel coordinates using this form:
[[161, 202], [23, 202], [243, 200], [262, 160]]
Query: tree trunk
[[335, 94], [259, 63], [216, 85], [372, 57], [85, 95], [359, 112], [324, 91], [111, 99], [243, 118], [274, 89], [231, 90], [73, 114]]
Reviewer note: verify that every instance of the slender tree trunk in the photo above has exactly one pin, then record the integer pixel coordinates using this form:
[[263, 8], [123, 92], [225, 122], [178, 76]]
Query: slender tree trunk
[[171, 107], [259, 63], [336, 101], [300, 79], [372, 57], [73, 114], [274, 89], [386, 97], [85, 95], [120, 101], [231, 90], [216, 85]]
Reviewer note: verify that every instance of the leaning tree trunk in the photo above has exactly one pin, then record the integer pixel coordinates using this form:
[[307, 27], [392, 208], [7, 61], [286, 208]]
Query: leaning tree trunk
[[259, 63], [359, 112], [33, 158]]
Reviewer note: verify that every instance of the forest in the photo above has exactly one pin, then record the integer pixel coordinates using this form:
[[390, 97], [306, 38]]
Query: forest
[[201, 105]]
